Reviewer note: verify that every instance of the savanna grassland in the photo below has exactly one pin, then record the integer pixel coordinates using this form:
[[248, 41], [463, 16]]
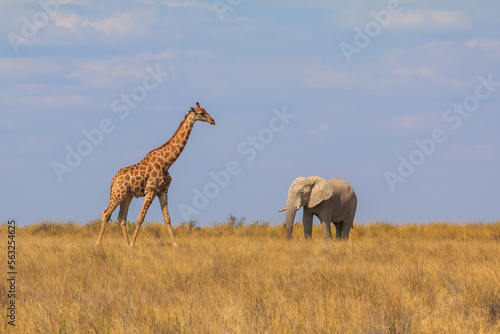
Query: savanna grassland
[[236, 278]]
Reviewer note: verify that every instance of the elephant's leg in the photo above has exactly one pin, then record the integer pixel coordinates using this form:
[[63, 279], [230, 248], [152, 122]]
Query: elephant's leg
[[307, 220], [325, 225], [347, 225], [327, 229], [338, 230]]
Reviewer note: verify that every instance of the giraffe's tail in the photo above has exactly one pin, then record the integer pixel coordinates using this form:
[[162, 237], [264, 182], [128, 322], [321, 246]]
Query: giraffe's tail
[[109, 205], [111, 186]]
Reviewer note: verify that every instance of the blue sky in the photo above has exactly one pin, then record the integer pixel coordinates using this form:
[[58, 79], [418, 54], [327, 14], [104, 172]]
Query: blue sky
[[400, 99]]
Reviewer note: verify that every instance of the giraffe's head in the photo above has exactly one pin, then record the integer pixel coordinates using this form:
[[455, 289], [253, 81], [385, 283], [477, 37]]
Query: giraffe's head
[[201, 114]]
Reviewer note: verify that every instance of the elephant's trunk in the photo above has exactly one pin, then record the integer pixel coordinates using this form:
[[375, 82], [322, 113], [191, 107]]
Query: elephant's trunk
[[290, 220]]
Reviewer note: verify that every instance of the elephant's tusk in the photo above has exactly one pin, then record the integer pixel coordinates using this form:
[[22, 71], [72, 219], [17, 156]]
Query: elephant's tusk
[[282, 210]]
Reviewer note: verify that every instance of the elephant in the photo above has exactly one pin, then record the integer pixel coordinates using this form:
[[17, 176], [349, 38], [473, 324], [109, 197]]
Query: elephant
[[332, 201]]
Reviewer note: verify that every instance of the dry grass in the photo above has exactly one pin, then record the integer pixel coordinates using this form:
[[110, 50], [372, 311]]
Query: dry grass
[[435, 278]]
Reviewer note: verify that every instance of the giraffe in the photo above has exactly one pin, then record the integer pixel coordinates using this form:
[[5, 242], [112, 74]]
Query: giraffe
[[150, 178]]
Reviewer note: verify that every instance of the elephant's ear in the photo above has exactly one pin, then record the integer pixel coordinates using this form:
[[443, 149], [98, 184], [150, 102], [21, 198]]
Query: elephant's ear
[[321, 191]]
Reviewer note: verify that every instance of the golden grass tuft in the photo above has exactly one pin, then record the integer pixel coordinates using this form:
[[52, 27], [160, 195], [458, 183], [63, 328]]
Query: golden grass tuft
[[236, 278]]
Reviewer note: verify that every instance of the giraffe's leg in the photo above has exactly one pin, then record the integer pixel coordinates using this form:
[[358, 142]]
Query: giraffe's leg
[[122, 217], [163, 197], [145, 206], [106, 214]]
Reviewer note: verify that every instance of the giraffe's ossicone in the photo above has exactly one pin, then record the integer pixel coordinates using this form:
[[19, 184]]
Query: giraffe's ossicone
[[150, 178]]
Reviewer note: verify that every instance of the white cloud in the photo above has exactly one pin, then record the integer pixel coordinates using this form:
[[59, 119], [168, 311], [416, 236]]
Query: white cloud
[[122, 25], [58, 101], [439, 44], [427, 18], [428, 75], [408, 72], [104, 72], [21, 67], [483, 151], [435, 63], [414, 122], [322, 126], [322, 78], [484, 44], [112, 71], [204, 54], [167, 54], [68, 21], [188, 3]]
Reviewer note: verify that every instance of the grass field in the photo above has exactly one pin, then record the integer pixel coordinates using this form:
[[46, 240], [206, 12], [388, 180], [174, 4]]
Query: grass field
[[236, 278]]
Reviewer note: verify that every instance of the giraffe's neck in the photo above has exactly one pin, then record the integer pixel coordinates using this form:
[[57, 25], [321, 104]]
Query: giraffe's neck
[[172, 149]]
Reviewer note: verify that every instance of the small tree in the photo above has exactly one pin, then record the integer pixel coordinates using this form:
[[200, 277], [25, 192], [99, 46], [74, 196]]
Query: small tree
[[233, 221], [190, 225]]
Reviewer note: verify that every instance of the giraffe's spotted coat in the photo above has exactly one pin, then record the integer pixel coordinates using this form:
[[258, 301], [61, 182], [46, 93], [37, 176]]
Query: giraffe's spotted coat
[[150, 177]]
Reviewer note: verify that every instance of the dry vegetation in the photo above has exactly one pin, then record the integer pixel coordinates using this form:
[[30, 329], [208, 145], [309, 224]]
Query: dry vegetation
[[237, 278]]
